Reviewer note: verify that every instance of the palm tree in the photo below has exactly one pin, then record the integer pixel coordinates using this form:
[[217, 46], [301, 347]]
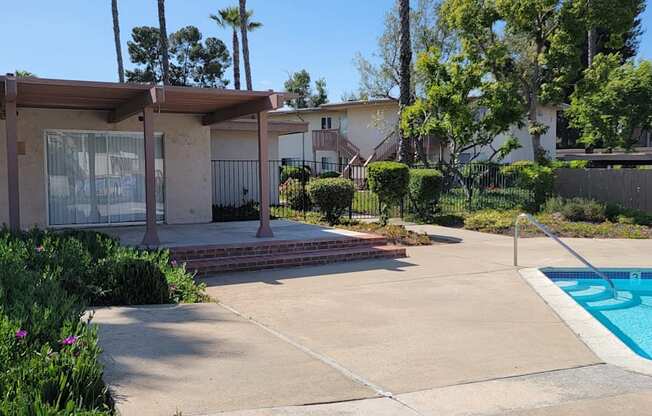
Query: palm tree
[[231, 17], [247, 26], [405, 97], [116, 36], [165, 54]]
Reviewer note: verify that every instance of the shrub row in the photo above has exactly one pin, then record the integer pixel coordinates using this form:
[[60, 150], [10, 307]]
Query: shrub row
[[49, 356]]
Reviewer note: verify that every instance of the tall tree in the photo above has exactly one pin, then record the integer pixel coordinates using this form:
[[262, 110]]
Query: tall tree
[[612, 104], [163, 33], [405, 97], [245, 42], [116, 39], [535, 42], [299, 83], [427, 30], [230, 17], [193, 62]]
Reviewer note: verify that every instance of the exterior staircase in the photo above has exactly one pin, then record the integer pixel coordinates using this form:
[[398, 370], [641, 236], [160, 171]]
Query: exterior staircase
[[209, 260]]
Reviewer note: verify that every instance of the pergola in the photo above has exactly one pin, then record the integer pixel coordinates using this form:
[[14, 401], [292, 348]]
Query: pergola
[[122, 101]]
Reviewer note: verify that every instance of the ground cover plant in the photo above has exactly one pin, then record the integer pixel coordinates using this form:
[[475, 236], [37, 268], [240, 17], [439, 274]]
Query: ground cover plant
[[49, 355]]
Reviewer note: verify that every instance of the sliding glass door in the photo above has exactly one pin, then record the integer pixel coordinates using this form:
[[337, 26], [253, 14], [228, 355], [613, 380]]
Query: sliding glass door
[[99, 177]]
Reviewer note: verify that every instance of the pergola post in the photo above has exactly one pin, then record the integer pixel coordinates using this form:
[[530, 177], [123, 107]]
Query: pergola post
[[264, 230], [11, 121], [151, 236]]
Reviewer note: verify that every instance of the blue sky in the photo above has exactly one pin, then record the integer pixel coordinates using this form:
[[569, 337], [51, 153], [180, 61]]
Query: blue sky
[[73, 39]]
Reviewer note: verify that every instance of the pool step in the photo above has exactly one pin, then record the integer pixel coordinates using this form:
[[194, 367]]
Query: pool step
[[568, 285], [622, 301], [591, 293]]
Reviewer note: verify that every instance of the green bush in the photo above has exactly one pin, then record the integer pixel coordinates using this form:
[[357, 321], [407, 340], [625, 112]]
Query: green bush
[[333, 196], [329, 174], [300, 173], [538, 178], [388, 180], [571, 164], [491, 221], [296, 195], [577, 209], [134, 282], [424, 189]]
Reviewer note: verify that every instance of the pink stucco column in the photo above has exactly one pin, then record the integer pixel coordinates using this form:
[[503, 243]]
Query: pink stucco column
[[264, 230], [11, 127], [151, 235]]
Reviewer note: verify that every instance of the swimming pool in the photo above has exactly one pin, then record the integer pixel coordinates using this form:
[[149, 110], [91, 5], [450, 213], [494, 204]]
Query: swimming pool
[[628, 316]]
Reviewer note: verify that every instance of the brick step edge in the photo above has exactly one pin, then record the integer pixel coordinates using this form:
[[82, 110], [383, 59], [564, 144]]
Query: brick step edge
[[274, 247], [253, 263]]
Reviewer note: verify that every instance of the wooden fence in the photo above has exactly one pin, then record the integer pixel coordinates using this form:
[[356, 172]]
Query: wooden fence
[[631, 188]]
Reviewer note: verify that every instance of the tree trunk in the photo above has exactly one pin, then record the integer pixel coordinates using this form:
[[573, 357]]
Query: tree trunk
[[116, 38], [165, 54], [236, 60], [245, 42], [533, 105], [592, 45], [405, 98], [421, 152]]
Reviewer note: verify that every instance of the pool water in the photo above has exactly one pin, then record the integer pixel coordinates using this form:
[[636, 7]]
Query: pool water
[[628, 316]]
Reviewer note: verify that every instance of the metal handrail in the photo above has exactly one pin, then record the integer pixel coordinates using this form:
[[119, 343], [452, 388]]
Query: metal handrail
[[549, 233]]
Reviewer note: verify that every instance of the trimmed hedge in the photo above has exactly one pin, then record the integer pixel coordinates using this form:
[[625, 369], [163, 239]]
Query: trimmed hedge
[[296, 195], [329, 174], [540, 179], [333, 196], [424, 189], [300, 173], [389, 181]]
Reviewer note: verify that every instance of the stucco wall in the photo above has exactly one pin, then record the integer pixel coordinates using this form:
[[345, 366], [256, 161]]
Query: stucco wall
[[236, 182], [187, 161], [369, 125]]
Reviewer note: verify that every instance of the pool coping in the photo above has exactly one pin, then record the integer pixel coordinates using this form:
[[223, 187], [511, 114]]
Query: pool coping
[[607, 346]]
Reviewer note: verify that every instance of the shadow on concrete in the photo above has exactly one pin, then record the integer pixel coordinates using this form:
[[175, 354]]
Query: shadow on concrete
[[275, 276], [136, 339]]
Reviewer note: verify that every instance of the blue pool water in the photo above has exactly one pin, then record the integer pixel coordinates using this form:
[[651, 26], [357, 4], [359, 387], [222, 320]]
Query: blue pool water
[[628, 316]]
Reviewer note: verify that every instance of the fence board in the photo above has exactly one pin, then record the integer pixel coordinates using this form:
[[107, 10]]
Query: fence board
[[631, 188]]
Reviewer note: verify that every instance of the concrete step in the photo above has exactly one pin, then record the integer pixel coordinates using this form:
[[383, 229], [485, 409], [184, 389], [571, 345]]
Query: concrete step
[[209, 266], [187, 253]]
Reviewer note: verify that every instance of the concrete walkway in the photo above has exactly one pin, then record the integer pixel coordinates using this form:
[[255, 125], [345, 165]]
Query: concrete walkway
[[451, 330]]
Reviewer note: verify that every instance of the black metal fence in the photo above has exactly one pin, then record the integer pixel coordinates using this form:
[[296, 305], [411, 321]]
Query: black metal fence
[[466, 188]]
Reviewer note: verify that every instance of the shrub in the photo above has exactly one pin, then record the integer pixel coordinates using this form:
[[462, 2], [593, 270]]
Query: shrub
[[134, 282], [491, 221], [300, 173], [333, 196], [329, 174], [538, 178], [246, 211], [571, 164], [577, 209], [388, 180], [424, 189], [296, 195]]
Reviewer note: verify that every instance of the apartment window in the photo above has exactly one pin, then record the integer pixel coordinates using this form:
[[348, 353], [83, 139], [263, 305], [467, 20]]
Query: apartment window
[[326, 123], [98, 177], [326, 163]]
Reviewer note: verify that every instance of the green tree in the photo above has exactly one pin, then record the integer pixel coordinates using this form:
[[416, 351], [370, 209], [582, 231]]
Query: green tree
[[24, 74], [194, 63], [404, 73], [612, 104], [534, 42], [465, 106], [246, 26], [299, 83], [116, 40], [145, 50]]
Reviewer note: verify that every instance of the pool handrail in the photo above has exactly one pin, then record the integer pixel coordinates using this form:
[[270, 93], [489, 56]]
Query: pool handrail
[[550, 234]]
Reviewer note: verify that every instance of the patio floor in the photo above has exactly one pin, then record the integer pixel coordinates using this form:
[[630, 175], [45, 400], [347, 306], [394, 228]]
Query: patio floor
[[452, 330], [237, 232]]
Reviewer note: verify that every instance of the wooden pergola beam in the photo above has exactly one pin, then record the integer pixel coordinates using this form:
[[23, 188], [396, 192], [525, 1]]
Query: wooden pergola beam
[[271, 102], [11, 127], [152, 97]]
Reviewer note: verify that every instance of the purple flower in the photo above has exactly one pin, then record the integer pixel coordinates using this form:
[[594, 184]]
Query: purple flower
[[70, 340], [173, 263], [21, 333], [173, 288], [39, 249]]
